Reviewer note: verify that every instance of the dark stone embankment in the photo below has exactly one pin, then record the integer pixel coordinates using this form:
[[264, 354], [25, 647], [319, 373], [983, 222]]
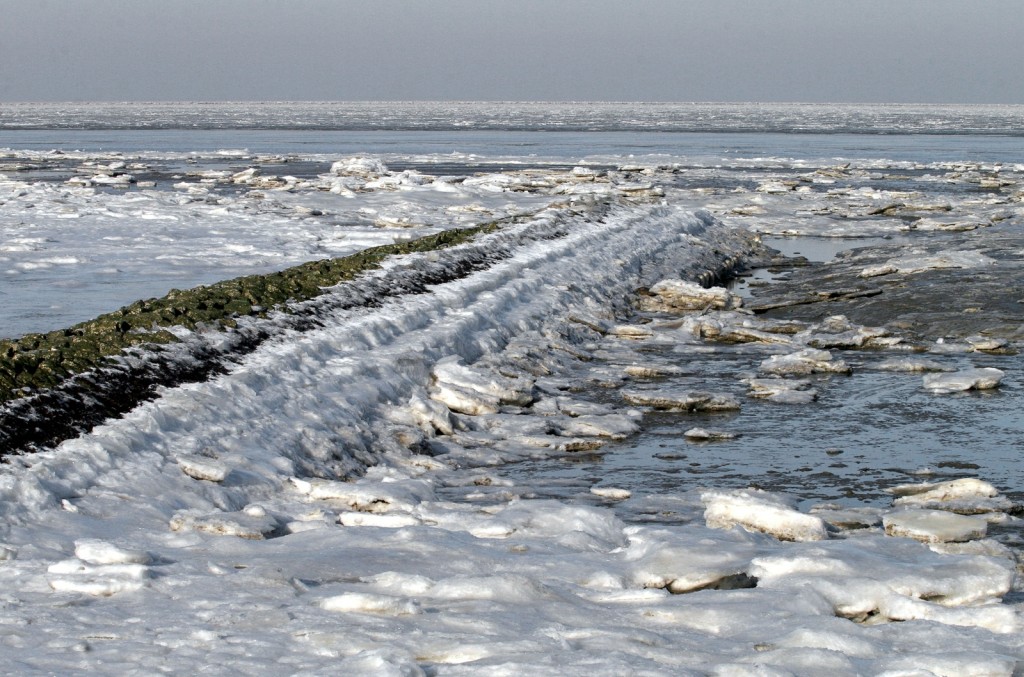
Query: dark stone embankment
[[61, 384], [56, 385]]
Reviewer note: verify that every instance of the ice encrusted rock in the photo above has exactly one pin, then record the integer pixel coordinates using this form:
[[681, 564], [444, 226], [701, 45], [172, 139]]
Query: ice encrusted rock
[[838, 332], [934, 526], [757, 510], [671, 296], [724, 328], [681, 400], [804, 362], [984, 378]]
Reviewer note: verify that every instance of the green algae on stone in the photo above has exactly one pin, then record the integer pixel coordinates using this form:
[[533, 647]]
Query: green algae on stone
[[41, 361]]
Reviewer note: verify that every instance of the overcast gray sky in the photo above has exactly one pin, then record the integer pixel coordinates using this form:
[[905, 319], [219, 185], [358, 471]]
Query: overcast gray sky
[[646, 50]]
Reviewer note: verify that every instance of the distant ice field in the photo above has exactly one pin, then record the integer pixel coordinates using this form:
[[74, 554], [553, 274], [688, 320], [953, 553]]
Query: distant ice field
[[529, 146]]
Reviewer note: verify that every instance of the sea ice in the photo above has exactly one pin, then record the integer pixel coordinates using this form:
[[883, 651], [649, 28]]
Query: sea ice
[[758, 510], [674, 296], [94, 551], [966, 495], [983, 378], [782, 390], [934, 526], [803, 362], [203, 468], [681, 400]]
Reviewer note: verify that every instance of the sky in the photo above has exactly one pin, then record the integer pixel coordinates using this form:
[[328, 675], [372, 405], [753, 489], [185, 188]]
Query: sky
[[905, 51]]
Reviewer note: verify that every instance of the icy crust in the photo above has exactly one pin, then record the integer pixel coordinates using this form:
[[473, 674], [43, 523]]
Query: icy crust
[[214, 526]]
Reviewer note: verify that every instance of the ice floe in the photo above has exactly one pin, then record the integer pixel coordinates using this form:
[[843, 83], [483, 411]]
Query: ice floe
[[803, 362], [934, 526], [761, 511], [982, 378]]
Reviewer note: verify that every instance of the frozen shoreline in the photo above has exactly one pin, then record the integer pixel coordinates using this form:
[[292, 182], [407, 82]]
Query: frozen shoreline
[[210, 526]]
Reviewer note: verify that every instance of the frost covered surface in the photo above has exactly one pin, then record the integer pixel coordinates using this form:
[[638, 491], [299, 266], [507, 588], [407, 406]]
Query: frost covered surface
[[213, 525], [336, 502]]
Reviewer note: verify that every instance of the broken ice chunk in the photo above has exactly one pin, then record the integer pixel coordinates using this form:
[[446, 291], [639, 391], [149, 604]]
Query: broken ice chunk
[[967, 496], [984, 378], [803, 362], [242, 524], [911, 364], [757, 510], [95, 551], [934, 526], [203, 468], [613, 426], [362, 602], [477, 391], [611, 493], [671, 296], [703, 434], [782, 390], [685, 400], [375, 497], [879, 270]]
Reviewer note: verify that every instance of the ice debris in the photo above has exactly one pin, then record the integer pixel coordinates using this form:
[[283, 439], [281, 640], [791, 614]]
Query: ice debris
[[252, 523], [705, 435], [782, 390], [673, 296], [681, 400], [757, 510], [934, 526], [100, 569], [203, 468], [984, 378], [804, 362], [95, 551], [966, 495]]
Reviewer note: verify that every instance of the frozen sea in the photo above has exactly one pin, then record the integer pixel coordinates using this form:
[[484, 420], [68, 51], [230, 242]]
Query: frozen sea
[[562, 459]]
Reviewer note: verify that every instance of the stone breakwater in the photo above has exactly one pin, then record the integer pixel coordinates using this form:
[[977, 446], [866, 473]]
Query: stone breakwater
[[56, 385]]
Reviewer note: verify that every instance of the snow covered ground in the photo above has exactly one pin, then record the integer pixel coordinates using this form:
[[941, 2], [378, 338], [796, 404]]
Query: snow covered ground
[[336, 503]]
